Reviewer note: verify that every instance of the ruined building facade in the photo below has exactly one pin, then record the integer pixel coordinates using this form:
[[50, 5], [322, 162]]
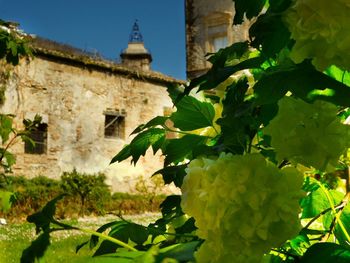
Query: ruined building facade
[[89, 107], [209, 27]]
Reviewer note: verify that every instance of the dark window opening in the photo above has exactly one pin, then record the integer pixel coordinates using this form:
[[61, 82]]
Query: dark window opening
[[114, 126], [39, 137]]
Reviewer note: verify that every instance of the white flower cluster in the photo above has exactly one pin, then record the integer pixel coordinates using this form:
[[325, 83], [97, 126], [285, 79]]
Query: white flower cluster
[[309, 134], [321, 29], [243, 206]]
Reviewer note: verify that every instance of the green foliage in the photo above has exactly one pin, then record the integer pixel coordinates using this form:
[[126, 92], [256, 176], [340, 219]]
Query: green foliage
[[28, 195], [13, 43], [250, 122], [85, 186], [8, 137], [6, 199], [279, 116], [42, 221], [250, 8], [192, 114]]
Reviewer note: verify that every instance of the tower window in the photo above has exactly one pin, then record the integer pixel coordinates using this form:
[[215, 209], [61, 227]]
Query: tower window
[[39, 137], [218, 43], [218, 31], [114, 124]]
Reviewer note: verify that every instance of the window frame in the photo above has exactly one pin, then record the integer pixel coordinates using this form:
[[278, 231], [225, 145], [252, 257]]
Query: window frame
[[222, 21], [116, 120], [39, 136]]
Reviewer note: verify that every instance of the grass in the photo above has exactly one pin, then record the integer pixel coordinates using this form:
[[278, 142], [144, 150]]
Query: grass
[[14, 238]]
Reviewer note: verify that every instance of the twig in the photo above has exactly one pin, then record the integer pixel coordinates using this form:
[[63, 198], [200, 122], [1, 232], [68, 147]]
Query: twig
[[340, 205]]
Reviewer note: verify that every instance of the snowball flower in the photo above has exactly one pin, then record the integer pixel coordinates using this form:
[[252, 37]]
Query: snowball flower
[[321, 30], [309, 134], [243, 206]]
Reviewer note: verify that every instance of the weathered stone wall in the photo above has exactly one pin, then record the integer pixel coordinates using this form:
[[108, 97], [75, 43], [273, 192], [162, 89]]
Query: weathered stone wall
[[200, 16], [72, 99]]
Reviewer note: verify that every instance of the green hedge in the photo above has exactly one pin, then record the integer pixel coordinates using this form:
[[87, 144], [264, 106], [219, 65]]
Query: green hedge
[[33, 193]]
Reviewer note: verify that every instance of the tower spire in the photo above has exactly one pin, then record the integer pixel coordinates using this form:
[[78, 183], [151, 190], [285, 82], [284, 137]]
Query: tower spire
[[135, 36], [136, 55]]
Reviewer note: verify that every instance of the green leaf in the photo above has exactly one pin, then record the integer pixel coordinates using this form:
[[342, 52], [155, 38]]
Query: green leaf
[[37, 249], [326, 253], [124, 154], [338, 232], [192, 114], [316, 202], [234, 99], [171, 206], [175, 92], [119, 257], [188, 227], [43, 218], [250, 8], [149, 256], [217, 75], [234, 133], [80, 246], [178, 149], [171, 210], [267, 113], [123, 231], [182, 252], [173, 174], [157, 121], [225, 57], [9, 157], [300, 243], [144, 140], [6, 200], [338, 74], [304, 82], [269, 34], [154, 137], [5, 127], [279, 5], [13, 47], [94, 239]]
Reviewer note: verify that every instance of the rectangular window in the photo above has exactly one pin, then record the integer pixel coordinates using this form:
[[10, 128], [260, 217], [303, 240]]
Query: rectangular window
[[114, 124], [39, 137], [219, 42]]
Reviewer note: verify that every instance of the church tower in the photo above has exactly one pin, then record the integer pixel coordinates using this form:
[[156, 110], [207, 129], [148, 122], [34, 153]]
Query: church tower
[[136, 55]]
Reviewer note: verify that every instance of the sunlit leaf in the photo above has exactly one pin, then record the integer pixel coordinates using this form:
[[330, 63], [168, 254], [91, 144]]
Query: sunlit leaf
[[192, 114]]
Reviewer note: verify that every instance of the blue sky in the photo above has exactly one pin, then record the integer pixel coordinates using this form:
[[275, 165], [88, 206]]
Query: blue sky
[[105, 25]]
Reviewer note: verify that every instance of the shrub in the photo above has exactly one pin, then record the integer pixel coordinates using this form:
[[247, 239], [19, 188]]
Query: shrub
[[30, 194], [91, 190]]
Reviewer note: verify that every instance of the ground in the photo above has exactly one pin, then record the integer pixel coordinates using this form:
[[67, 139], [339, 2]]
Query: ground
[[14, 238]]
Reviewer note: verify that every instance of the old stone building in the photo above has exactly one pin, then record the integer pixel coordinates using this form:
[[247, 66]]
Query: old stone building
[[209, 27], [89, 106]]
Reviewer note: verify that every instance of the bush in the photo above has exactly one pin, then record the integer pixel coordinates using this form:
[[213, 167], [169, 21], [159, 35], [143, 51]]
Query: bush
[[30, 194], [91, 190]]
